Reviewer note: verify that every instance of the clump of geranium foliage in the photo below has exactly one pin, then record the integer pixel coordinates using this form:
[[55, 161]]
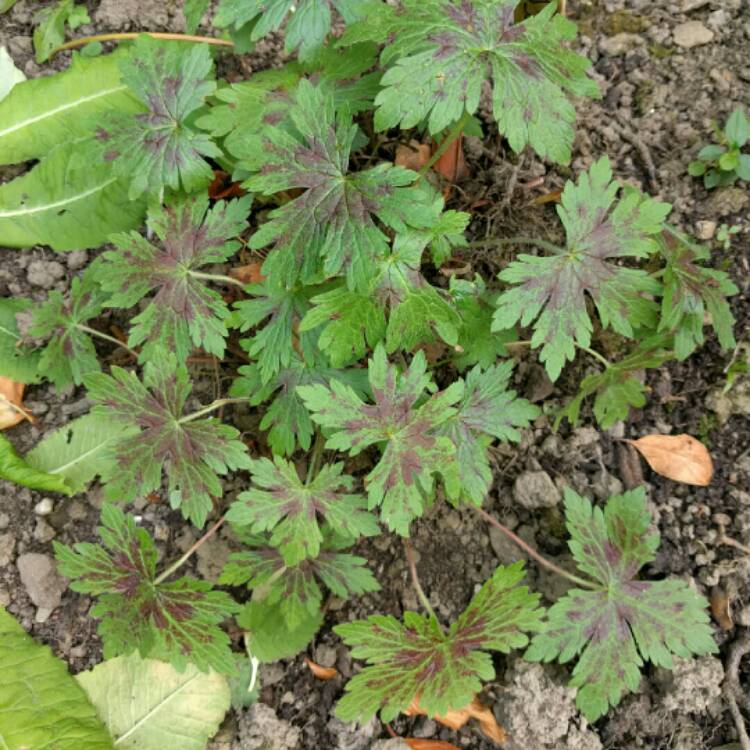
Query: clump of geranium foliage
[[333, 336]]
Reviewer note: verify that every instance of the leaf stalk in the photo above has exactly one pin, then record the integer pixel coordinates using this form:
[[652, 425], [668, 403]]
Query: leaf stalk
[[175, 565], [412, 561], [127, 35], [211, 407]]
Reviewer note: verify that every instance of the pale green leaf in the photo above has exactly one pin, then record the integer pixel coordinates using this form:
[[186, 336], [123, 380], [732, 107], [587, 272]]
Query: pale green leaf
[[41, 706], [45, 112], [15, 469], [10, 75], [50, 33], [16, 363], [149, 705], [69, 201]]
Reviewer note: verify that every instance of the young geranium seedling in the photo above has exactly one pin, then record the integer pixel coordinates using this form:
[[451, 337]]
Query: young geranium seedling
[[176, 621], [620, 621], [444, 670], [157, 437], [551, 290], [183, 313]]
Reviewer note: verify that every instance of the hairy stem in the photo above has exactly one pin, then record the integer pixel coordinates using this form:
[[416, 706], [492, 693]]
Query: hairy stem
[[317, 454], [411, 559], [107, 337], [599, 357], [502, 241], [124, 36], [211, 407], [533, 553], [454, 133], [175, 565], [217, 277]]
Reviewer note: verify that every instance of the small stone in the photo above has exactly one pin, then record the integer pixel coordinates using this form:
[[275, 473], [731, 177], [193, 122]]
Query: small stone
[[43, 532], [394, 744], [77, 511], [718, 19], [44, 507], [705, 230], [7, 548], [693, 686], [692, 34], [726, 200], [4, 596], [42, 582], [261, 729], [4, 521], [212, 557], [535, 489], [44, 273], [505, 550], [76, 259], [619, 44], [325, 656]]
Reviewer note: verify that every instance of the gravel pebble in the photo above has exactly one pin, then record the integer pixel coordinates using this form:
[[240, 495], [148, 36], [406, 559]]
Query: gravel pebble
[[692, 34], [535, 489], [42, 582]]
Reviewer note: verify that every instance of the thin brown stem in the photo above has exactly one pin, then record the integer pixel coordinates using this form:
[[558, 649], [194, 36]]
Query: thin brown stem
[[412, 561], [533, 553], [124, 36], [174, 566], [107, 337]]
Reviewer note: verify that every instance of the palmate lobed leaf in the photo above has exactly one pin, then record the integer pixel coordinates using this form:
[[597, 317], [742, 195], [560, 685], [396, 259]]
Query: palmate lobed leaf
[[51, 22], [192, 452], [183, 313], [280, 502], [487, 410], [295, 589], [160, 148], [444, 670], [402, 481], [17, 361], [622, 621], [70, 353], [176, 621], [551, 290], [691, 290], [331, 226], [308, 22], [441, 52]]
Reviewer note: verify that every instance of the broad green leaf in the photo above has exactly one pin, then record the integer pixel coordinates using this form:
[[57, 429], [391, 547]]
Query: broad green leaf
[[295, 589], [70, 200], [621, 622], [331, 226], [280, 502], [308, 25], [183, 313], [445, 670], [14, 469], [10, 75], [194, 12], [177, 621], [160, 148], [441, 53], [17, 362], [70, 353], [78, 451], [487, 410], [737, 128], [690, 291], [41, 705], [51, 110], [192, 452], [6, 5], [269, 638], [50, 31], [551, 291], [149, 705], [413, 450]]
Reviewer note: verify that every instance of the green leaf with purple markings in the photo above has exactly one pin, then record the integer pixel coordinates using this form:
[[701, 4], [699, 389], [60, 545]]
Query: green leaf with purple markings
[[281, 503], [160, 148], [331, 227], [551, 290], [690, 291], [441, 52], [176, 621], [70, 353], [620, 622], [193, 452], [183, 312], [413, 450], [445, 670], [487, 410], [295, 589]]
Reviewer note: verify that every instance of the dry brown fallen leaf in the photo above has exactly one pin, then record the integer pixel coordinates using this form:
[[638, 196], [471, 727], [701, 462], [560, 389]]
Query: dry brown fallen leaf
[[678, 457], [249, 274], [11, 404], [322, 673], [721, 608], [418, 744], [414, 156], [456, 719]]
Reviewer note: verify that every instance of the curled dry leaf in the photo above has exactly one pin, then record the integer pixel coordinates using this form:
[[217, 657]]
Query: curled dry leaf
[[11, 404], [457, 718], [721, 608], [249, 274], [322, 673], [678, 457], [418, 744]]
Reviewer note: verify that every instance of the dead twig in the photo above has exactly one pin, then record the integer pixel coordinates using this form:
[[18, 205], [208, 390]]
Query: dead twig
[[732, 690]]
